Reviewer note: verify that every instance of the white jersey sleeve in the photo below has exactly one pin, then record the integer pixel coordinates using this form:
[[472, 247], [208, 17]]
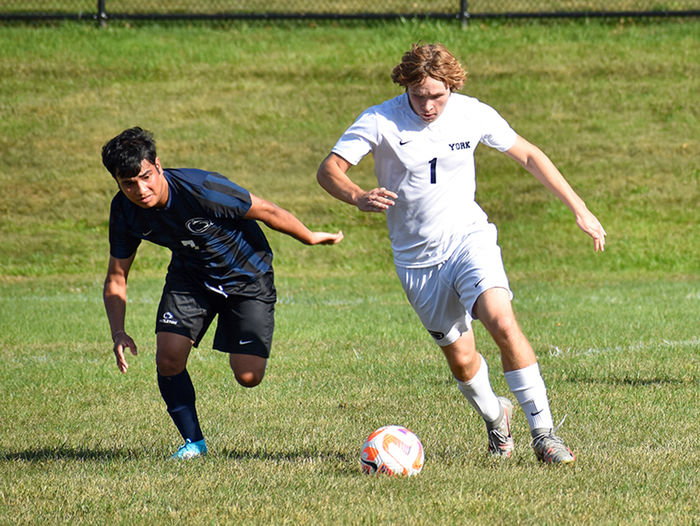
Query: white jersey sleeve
[[431, 169], [497, 132], [359, 139]]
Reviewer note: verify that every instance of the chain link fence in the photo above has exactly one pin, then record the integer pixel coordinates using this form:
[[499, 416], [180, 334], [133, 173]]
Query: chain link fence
[[104, 10]]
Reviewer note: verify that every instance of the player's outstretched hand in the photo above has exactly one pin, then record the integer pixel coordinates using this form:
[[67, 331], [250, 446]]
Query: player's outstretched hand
[[591, 226], [121, 341], [326, 238], [376, 200]]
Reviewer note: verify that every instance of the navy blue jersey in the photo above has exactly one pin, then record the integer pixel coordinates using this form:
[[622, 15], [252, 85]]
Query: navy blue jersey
[[202, 224]]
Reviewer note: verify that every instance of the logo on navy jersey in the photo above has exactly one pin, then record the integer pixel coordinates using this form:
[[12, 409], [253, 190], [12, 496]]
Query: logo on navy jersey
[[199, 225], [464, 145]]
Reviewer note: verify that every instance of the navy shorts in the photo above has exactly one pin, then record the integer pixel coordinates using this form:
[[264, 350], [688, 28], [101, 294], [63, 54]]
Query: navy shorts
[[245, 321]]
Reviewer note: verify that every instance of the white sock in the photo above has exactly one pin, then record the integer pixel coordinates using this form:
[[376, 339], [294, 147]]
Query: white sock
[[528, 387], [480, 394]]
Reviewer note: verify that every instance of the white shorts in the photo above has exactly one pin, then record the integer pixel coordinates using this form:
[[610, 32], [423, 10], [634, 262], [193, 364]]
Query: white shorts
[[444, 295]]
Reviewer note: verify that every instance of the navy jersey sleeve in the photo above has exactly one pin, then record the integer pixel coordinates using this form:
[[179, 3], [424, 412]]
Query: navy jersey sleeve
[[122, 243], [224, 198]]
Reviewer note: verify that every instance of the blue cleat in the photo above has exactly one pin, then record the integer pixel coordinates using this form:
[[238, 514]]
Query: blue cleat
[[190, 450]]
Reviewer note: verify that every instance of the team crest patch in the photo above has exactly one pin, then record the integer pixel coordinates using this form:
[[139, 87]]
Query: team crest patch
[[168, 319], [198, 225]]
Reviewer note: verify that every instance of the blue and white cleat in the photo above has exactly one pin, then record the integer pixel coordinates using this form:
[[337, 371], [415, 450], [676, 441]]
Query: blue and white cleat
[[190, 450]]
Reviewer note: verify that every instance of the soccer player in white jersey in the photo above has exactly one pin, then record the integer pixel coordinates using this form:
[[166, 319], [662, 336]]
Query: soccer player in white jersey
[[445, 250]]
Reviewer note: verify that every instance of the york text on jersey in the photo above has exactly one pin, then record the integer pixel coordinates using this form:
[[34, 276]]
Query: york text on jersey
[[459, 146]]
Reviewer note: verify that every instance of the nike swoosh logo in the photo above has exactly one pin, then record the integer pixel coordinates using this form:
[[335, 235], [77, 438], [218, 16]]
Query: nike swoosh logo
[[146, 233], [401, 143], [244, 342], [537, 413]]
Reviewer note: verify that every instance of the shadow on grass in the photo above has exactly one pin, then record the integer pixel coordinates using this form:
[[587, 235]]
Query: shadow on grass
[[339, 462], [633, 381], [68, 453], [85, 454], [288, 456]]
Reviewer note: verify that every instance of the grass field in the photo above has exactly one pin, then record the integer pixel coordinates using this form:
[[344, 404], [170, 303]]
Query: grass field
[[613, 103]]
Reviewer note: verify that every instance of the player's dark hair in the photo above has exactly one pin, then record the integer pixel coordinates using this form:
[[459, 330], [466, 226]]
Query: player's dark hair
[[122, 155]]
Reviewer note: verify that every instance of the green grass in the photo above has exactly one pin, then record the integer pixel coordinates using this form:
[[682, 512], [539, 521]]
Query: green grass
[[616, 333], [86, 444], [612, 104]]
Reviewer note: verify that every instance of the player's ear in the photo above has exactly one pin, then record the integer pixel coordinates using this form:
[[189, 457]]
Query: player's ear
[[158, 165]]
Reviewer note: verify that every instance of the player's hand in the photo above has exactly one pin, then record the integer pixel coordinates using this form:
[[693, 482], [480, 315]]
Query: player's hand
[[326, 238], [376, 200], [591, 226], [121, 341]]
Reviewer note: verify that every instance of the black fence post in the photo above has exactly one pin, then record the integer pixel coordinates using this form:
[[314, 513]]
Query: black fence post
[[463, 12], [101, 13]]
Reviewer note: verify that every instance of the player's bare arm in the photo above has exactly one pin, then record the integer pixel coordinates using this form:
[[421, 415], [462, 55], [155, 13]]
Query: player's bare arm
[[538, 164], [114, 296], [284, 221], [332, 176]]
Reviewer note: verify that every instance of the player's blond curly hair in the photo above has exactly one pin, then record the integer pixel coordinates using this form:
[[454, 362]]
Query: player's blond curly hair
[[429, 60]]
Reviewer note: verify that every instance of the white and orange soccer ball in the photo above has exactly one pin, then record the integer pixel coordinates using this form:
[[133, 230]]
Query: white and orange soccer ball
[[392, 450]]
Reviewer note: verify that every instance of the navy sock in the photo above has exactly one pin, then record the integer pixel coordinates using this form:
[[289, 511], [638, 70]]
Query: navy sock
[[178, 393]]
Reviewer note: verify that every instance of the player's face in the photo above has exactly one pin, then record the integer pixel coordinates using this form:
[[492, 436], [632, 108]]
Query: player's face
[[428, 98], [148, 189]]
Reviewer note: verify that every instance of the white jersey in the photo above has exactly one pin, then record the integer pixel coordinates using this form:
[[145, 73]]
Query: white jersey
[[431, 169]]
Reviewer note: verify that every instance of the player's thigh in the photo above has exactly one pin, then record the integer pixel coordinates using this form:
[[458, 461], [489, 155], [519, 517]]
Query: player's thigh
[[495, 311], [435, 302], [245, 332], [496, 314], [245, 326], [477, 267], [184, 314], [185, 309]]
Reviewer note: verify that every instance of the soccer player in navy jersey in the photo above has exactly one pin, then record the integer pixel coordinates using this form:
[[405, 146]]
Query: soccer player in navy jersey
[[221, 265], [445, 250]]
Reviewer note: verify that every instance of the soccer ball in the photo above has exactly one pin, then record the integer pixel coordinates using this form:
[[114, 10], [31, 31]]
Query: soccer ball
[[392, 450]]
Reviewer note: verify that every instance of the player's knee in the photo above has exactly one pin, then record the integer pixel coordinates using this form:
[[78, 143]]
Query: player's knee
[[172, 351], [169, 367], [249, 378], [462, 357], [505, 328], [464, 367], [247, 369]]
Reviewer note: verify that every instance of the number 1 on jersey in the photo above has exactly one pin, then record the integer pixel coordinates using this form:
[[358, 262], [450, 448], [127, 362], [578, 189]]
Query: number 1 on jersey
[[433, 165]]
